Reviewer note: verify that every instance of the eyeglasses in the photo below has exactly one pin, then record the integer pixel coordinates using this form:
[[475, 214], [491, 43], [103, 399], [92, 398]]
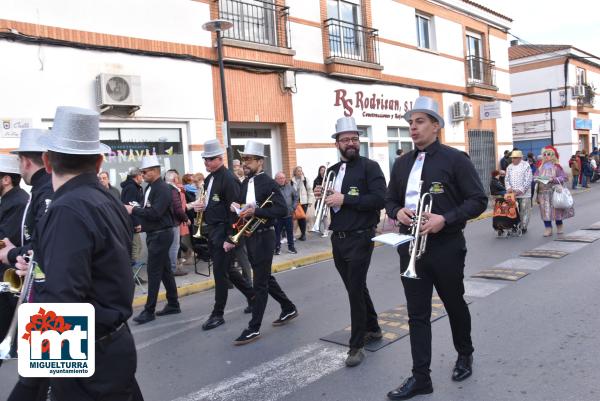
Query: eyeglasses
[[547, 154], [144, 172], [249, 158], [209, 159], [346, 141]]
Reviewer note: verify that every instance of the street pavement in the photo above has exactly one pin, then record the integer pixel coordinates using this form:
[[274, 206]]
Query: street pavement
[[535, 339]]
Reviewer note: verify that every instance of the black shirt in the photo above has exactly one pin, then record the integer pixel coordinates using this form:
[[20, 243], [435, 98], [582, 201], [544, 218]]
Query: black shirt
[[131, 191], [156, 215], [83, 249], [41, 194], [225, 189], [363, 188], [263, 187], [449, 176], [12, 206]]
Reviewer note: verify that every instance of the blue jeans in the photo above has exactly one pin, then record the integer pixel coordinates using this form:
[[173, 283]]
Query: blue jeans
[[574, 185], [174, 248], [288, 224]]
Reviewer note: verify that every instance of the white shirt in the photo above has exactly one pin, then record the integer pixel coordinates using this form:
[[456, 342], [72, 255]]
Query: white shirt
[[337, 185], [413, 187], [518, 178]]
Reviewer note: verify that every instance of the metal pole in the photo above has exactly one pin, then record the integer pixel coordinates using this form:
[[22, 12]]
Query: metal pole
[[551, 120], [224, 102]]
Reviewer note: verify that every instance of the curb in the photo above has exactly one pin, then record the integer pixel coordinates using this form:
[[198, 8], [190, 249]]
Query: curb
[[189, 289]]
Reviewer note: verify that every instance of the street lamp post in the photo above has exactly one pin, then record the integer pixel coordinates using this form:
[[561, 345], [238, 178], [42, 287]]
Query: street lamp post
[[551, 122], [218, 26]]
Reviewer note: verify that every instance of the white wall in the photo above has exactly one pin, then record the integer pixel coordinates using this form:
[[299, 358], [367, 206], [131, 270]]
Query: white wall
[[307, 42], [449, 37], [308, 10], [171, 21], [536, 80], [454, 131]]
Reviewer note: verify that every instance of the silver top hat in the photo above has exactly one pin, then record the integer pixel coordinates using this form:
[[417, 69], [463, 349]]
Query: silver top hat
[[212, 148], [9, 164], [426, 105], [343, 125], [29, 137], [149, 161], [75, 132], [253, 148]]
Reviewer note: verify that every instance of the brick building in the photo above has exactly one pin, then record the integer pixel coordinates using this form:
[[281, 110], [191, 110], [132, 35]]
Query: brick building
[[292, 68]]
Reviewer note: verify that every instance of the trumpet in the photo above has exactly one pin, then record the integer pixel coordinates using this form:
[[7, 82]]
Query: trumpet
[[248, 227], [321, 209], [11, 282], [200, 214], [417, 246], [7, 344]]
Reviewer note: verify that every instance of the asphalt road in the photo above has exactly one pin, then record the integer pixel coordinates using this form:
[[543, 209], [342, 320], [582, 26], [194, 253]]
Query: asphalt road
[[535, 339]]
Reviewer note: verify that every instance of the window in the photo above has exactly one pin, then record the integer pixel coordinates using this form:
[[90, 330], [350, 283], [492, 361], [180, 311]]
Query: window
[[425, 31], [398, 138], [363, 132], [344, 36], [253, 20], [580, 77], [475, 57]]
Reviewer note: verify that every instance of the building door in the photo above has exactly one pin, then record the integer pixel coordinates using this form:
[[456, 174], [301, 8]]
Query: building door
[[483, 155], [239, 137], [344, 36]]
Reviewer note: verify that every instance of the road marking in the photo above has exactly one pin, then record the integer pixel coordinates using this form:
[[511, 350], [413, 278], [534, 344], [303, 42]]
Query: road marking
[[481, 289], [275, 379]]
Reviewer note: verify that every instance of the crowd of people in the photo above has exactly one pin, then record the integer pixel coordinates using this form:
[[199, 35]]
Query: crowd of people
[[240, 215]]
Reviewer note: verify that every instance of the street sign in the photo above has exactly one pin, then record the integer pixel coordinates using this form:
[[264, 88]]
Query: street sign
[[490, 111]]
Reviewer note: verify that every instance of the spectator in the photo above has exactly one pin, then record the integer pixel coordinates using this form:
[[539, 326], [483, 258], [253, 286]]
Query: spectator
[[132, 193], [301, 187], [105, 181], [505, 161], [320, 177], [518, 181], [575, 170], [291, 199], [496, 187], [588, 171], [532, 163], [180, 219], [238, 171]]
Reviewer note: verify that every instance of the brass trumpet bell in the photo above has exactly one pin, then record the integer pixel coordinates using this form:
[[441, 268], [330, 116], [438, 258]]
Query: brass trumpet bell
[[14, 281]]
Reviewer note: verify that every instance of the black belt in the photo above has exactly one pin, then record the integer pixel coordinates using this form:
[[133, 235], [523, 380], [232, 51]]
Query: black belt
[[160, 230], [344, 234], [265, 229], [111, 335]]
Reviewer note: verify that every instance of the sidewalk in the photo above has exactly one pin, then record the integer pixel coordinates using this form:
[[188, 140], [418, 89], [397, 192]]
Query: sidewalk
[[315, 249]]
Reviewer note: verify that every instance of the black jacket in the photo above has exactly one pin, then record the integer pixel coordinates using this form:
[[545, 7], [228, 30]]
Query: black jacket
[[131, 191], [83, 248], [363, 188], [12, 207], [450, 177], [263, 187], [41, 195], [156, 214], [225, 190]]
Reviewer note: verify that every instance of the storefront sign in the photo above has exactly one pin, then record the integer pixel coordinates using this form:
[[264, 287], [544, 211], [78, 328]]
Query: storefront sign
[[11, 127], [490, 111], [582, 123], [370, 105]]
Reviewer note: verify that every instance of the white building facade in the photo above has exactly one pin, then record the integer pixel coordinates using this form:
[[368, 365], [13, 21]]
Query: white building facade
[[560, 81]]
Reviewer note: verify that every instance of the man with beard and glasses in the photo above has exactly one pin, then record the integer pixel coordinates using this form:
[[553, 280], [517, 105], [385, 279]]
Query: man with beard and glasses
[[356, 201]]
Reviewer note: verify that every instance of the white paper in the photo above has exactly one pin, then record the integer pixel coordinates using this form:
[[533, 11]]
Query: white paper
[[238, 210], [393, 239]]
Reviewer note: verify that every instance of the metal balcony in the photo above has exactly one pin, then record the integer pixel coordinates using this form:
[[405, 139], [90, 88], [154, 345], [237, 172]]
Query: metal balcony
[[351, 41], [480, 72], [256, 21]]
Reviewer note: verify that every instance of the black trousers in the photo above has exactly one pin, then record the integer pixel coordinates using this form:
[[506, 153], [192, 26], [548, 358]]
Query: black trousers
[[352, 256], [260, 252], [441, 266], [302, 222], [223, 270], [159, 268]]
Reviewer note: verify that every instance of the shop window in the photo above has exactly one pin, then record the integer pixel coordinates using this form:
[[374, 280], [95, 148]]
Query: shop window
[[364, 134], [398, 138]]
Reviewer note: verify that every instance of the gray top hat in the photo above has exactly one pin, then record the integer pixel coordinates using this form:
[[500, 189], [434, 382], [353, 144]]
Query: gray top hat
[[29, 137], [253, 148], [75, 132], [343, 125], [149, 161], [212, 148], [9, 164], [427, 105]]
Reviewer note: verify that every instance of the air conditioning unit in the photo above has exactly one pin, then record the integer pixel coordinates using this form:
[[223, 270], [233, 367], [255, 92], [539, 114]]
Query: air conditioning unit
[[461, 110], [578, 91], [118, 90]]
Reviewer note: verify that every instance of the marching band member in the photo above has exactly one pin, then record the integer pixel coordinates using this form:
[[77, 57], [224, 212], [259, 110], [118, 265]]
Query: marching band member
[[355, 201], [157, 222], [256, 188], [221, 189], [457, 193], [83, 249]]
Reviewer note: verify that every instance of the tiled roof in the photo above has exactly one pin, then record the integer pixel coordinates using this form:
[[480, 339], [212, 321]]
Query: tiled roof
[[497, 14], [522, 51]]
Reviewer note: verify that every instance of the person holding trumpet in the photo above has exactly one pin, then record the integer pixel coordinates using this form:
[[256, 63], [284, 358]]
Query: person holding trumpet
[[354, 189], [263, 203], [457, 195], [221, 188]]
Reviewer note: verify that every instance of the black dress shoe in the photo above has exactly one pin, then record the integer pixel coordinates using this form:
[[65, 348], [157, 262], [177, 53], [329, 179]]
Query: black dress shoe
[[463, 368], [248, 309], [168, 310], [212, 322], [144, 317], [409, 389]]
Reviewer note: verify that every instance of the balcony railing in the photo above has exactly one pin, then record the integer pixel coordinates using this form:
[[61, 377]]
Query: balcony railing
[[480, 71], [256, 21], [353, 42], [588, 97]]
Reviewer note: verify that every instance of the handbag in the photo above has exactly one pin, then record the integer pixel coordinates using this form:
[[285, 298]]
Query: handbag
[[299, 213], [562, 198]]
